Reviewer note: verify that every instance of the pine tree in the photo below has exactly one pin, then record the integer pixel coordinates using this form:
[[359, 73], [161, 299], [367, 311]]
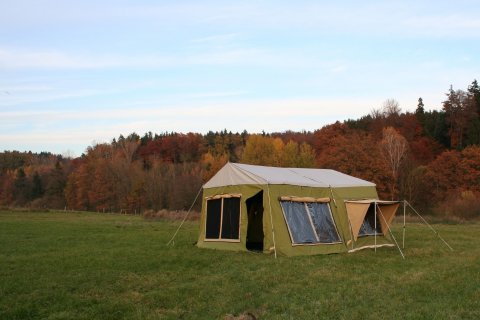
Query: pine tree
[[474, 94], [37, 188], [420, 112], [22, 190], [457, 117], [473, 106], [420, 107]]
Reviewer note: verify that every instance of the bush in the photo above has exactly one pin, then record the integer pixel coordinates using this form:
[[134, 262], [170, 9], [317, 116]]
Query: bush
[[462, 204], [171, 215]]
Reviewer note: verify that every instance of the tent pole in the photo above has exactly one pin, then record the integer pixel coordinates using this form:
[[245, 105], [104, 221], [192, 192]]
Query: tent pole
[[375, 209], [184, 219], [271, 222], [351, 231], [391, 233], [434, 231], [333, 198], [403, 237]]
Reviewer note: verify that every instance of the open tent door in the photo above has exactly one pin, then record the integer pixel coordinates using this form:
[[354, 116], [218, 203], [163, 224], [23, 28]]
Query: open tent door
[[255, 222], [357, 214]]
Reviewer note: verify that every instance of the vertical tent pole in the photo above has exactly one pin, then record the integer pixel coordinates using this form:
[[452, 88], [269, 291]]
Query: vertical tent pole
[[403, 238], [333, 198], [434, 231], [351, 231], [271, 222], [375, 209]]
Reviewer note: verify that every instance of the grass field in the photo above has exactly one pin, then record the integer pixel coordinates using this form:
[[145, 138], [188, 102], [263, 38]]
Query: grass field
[[92, 266]]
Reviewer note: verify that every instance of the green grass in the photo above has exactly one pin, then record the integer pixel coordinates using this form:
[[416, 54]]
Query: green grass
[[95, 266]]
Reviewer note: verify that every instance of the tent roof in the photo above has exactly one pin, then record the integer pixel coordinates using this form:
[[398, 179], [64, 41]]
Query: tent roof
[[365, 201], [239, 174]]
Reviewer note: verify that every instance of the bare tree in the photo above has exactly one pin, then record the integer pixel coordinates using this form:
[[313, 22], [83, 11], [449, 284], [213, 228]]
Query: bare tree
[[391, 107], [394, 147], [376, 114], [128, 149]]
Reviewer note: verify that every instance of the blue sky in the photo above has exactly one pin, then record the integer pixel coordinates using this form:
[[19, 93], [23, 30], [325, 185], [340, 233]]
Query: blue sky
[[75, 73]]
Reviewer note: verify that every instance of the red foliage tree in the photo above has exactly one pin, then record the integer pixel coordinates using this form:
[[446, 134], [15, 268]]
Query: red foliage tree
[[358, 155]]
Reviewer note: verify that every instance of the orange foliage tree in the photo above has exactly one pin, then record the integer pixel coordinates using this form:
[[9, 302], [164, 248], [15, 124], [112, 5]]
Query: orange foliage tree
[[358, 155], [394, 150]]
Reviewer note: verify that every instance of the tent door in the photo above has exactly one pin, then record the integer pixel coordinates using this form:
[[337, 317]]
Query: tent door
[[255, 222]]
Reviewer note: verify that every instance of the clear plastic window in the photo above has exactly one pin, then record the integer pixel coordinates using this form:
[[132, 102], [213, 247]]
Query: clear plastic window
[[310, 222]]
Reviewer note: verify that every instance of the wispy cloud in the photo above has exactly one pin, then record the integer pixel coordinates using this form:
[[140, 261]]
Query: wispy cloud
[[90, 70], [215, 94], [217, 38], [48, 59], [16, 98], [56, 60], [248, 109], [445, 24]]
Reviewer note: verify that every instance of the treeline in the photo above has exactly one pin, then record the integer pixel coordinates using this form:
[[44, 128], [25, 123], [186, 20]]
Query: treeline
[[429, 157]]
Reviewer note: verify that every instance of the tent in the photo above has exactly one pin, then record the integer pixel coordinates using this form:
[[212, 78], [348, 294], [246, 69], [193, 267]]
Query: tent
[[292, 211]]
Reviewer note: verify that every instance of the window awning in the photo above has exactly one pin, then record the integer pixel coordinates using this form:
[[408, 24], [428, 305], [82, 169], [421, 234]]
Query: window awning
[[357, 209]]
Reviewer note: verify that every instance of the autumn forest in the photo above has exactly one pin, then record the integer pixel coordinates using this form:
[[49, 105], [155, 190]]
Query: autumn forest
[[430, 158]]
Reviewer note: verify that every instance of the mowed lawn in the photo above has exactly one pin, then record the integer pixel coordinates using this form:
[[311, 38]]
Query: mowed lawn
[[98, 266]]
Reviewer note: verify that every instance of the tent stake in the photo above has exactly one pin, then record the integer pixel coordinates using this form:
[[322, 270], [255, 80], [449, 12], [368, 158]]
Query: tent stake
[[271, 221], [184, 219], [391, 233]]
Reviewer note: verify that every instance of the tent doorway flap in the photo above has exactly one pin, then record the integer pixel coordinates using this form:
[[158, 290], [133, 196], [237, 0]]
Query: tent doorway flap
[[361, 222]]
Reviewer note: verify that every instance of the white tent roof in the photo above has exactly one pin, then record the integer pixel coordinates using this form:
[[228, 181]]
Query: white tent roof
[[238, 174]]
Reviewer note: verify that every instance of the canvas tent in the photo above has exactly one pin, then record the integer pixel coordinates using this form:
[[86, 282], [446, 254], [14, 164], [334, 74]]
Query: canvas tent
[[292, 211]]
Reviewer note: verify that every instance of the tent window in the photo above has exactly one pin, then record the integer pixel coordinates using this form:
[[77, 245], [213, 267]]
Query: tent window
[[214, 209], [310, 222], [231, 218], [223, 218], [368, 224]]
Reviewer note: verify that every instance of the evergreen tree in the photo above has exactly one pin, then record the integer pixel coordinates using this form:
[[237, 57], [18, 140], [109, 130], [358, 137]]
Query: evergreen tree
[[37, 188], [474, 94], [420, 112], [457, 117], [420, 107], [21, 189], [473, 106]]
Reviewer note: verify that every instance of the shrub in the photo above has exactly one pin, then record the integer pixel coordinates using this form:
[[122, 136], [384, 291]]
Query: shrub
[[171, 215], [461, 204]]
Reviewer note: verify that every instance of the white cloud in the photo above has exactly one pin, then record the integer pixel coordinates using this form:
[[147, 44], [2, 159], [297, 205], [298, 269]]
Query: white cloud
[[201, 114], [444, 24], [49, 59], [217, 38], [56, 131]]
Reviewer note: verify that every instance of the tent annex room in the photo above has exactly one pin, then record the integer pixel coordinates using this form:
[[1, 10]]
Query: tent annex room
[[292, 211]]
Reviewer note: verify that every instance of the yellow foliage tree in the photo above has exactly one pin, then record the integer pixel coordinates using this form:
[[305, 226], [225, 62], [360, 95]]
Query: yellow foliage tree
[[268, 151]]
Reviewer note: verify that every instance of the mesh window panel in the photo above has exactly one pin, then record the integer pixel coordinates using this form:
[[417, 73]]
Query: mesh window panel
[[231, 218], [368, 224], [323, 222], [213, 218], [298, 222]]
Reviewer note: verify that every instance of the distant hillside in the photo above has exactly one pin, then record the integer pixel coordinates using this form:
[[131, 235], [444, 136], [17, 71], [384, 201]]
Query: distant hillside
[[431, 158]]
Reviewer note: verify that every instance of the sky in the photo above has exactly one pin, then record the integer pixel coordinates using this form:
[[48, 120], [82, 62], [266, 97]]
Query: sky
[[77, 73]]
